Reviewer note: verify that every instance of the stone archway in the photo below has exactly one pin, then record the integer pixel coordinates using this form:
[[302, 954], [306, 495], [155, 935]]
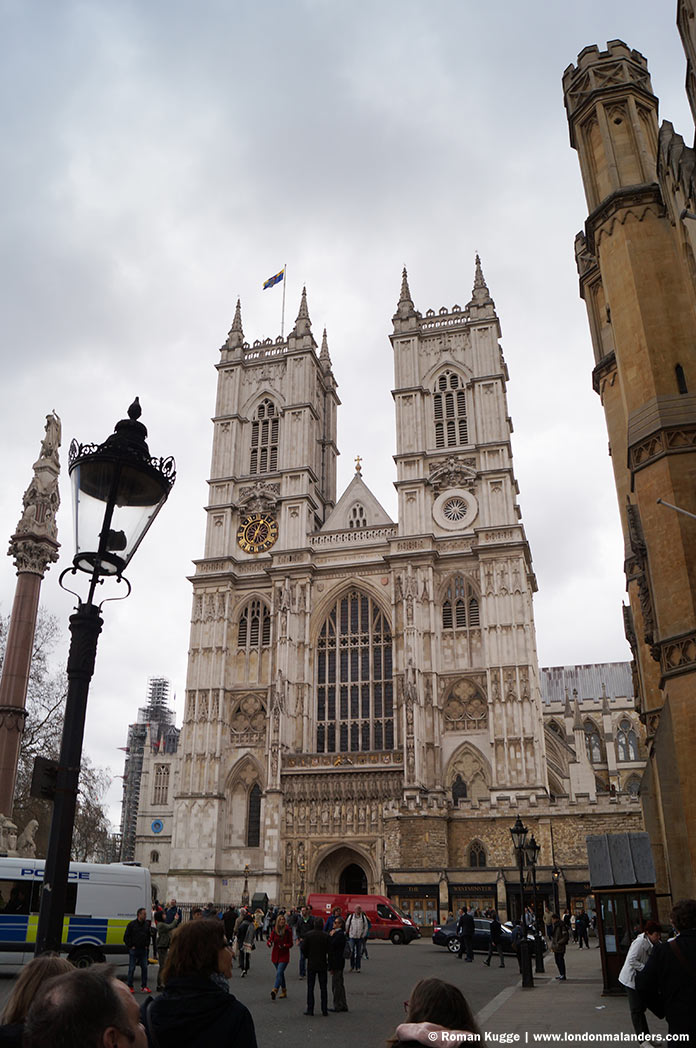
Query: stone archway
[[353, 880], [344, 871]]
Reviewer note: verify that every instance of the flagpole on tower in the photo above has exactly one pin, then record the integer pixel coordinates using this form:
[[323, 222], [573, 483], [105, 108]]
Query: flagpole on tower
[[282, 316]]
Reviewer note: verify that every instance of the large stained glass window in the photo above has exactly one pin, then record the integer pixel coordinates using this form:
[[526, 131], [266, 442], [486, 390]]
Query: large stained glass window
[[355, 691]]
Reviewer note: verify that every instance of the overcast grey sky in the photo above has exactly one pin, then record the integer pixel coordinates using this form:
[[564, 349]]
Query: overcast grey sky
[[161, 158]]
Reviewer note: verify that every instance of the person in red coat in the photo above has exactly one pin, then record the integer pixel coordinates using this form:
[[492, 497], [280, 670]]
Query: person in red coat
[[280, 942]]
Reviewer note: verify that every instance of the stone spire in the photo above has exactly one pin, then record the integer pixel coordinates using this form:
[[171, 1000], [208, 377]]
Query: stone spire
[[405, 307], [303, 325], [480, 296], [235, 336], [324, 358]]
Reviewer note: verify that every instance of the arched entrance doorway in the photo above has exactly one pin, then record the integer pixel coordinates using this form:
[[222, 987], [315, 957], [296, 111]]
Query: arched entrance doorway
[[344, 871], [353, 880]]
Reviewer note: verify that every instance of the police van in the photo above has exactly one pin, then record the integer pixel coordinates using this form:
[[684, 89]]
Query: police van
[[100, 902]]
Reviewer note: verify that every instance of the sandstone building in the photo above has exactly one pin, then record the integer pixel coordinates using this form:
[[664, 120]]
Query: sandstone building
[[364, 709], [636, 264]]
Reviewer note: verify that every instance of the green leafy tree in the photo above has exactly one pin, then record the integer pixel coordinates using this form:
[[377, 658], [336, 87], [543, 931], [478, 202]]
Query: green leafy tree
[[43, 728]]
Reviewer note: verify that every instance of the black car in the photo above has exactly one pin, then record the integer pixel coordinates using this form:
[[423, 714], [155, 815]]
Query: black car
[[446, 935]]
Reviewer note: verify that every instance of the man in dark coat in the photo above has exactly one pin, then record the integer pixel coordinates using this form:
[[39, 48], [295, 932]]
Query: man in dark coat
[[305, 924], [316, 945], [465, 931], [496, 940], [666, 983], [337, 963], [137, 940], [559, 941]]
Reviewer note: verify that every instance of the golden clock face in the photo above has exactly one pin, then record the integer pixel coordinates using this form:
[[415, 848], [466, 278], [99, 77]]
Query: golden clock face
[[257, 532]]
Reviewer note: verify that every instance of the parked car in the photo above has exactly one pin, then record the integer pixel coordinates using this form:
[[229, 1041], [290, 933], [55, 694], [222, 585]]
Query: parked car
[[446, 935]]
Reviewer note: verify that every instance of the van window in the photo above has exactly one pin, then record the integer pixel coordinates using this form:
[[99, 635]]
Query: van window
[[385, 912], [70, 897], [15, 896]]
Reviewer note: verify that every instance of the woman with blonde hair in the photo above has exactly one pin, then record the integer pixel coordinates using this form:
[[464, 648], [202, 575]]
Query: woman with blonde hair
[[434, 1009], [32, 976], [280, 942]]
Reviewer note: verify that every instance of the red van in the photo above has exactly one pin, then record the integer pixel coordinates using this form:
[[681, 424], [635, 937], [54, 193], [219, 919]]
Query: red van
[[387, 922]]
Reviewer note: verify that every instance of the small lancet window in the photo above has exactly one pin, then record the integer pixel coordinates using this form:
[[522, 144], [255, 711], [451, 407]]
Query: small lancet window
[[449, 412], [264, 439], [681, 379], [357, 517]]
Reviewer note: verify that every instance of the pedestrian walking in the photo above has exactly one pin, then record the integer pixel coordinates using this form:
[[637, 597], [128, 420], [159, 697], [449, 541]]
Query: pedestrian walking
[[638, 953], [172, 911], [496, 940], [666, 983], [304, 925], [559, 941], [137, 940], [581, 926], [574, 927], [245, 941], [330, 920], [316, 948], [465, 930], [164, 932], [337, 963], [436, 1012], [280, 941], [357, 927], [229, 921]]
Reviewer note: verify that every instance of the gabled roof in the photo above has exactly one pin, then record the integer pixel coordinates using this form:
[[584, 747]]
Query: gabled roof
[[357, 493]]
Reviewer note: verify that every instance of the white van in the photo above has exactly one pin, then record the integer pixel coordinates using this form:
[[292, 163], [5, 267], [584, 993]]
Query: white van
[[100, 901]]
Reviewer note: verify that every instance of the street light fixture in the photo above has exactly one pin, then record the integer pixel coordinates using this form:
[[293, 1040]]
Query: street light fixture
[[518, 833], [118, 490], [532, 850]]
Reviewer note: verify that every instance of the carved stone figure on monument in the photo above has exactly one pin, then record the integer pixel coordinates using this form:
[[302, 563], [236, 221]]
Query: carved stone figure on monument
[[40, 506], [26, 844]]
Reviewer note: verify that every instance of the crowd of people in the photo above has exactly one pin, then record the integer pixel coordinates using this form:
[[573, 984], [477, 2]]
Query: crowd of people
[[53, 1005]]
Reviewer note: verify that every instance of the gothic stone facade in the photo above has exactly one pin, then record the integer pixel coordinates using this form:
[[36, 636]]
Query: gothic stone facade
[[637, 276], [363, 702]]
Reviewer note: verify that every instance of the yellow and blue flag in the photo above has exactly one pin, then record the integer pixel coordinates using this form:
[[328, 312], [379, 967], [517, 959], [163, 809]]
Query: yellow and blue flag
[[274, 280]]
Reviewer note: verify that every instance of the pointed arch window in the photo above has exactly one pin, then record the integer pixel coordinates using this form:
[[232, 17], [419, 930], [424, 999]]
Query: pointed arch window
[[355, 693], [264, 439], [458, 790], [161, 785], [627, 742], [254, 626], [449, 411], [593, 742], [460, 607], [633, 787], [254, 817], [477, 854]]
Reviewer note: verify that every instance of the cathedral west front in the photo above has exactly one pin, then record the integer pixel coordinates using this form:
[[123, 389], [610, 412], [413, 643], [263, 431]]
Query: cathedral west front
[[364, 706]]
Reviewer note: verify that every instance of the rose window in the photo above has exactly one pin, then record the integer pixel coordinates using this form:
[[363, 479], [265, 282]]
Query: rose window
[[455, 509]]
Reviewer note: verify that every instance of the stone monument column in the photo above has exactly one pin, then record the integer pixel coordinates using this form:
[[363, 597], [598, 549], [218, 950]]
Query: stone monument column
[[34, 547]]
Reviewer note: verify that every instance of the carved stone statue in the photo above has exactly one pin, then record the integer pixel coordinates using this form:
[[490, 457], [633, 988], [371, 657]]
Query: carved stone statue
[[26, 845], [35, 542]]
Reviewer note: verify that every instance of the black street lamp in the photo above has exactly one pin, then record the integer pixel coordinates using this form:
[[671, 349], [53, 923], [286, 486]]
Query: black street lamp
[[556, 875], [118, 490], [519, 839], [532, 850]]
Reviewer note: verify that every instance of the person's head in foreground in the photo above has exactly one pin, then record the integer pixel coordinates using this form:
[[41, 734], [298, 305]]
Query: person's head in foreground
[[87, 1007], [433, 1009], [683, 916], [31, 978], [198, 948], [652, 931]]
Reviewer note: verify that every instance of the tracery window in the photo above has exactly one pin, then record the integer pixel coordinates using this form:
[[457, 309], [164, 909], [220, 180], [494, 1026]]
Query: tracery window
[[633, 787], [254, 626], [355, 698], [357, 517], [264, 439], [627, 742], [254, 817], [449, 411], [593, 741], [154, 857], [460, 608], [161, 784], [477, 854]]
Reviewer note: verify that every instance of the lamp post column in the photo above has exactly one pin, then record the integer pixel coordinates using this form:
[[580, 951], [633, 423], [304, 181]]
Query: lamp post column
[[525, 959], [85, 627], [538, 943]]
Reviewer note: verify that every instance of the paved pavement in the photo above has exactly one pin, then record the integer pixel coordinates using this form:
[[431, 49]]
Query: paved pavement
[[573, 1007]]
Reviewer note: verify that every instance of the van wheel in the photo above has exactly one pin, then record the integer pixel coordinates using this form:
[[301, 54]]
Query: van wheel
[[397, 938], [85, 957]]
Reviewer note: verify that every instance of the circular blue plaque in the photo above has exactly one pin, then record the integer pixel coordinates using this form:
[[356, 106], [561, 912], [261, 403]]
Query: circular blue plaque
[[157, 826]]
